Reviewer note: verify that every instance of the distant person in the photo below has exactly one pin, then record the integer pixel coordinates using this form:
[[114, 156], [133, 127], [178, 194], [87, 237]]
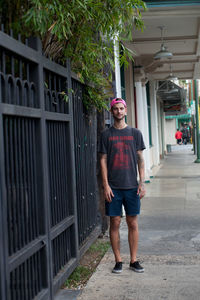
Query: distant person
[[178, 136], [185, 135]]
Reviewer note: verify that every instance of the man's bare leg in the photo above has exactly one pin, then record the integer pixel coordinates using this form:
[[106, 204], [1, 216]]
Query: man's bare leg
[[114, 237], [133, 236]]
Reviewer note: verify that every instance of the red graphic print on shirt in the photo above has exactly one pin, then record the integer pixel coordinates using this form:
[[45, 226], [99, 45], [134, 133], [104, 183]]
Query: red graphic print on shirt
[[121, 158]]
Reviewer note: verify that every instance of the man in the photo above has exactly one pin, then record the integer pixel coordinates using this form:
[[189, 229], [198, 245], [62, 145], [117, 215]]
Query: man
[[178, 136], [121, 149], [185, 135]]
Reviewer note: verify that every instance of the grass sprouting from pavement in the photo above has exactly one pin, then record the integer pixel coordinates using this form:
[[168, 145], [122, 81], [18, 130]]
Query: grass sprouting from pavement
[[88, 264]]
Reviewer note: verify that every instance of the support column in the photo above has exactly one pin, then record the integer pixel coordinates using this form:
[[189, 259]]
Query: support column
[[142, 123], [146, 132], [197, 122], [129, 90], [117, 69], [139, 102], [154, 123]]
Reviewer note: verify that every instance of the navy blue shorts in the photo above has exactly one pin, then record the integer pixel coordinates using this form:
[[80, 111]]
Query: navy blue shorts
[[128, 198]]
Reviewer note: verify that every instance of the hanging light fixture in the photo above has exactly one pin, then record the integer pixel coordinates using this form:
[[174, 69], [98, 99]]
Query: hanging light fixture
[[163, 53], [171, 76]]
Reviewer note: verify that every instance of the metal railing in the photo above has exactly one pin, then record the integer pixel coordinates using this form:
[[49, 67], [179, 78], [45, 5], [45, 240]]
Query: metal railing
[[48, 194]]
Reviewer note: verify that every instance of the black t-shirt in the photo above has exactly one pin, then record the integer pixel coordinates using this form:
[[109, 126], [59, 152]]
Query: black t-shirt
[[121, 146]]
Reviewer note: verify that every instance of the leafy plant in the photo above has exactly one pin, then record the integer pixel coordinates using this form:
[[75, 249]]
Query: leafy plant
[[83, 30], [88, 264]]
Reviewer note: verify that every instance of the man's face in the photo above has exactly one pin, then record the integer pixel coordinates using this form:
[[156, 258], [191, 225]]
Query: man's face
[[119, 111]]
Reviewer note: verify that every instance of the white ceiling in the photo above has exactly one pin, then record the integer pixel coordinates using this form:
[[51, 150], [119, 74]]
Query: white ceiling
[[181, 37]]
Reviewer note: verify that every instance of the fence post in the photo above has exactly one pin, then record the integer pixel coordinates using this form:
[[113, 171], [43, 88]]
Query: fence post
[[4, 278], [73, 188], [2, 243], [36, 44]]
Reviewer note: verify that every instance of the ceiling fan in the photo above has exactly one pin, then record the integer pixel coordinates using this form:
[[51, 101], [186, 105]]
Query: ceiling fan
[[163, 53], [171, 76]]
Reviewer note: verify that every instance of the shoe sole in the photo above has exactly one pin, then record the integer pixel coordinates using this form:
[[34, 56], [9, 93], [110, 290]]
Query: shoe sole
[[116, 272], [135, 270]]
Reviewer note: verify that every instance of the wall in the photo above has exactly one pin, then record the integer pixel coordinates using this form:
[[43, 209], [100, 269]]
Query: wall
[[170, 130]]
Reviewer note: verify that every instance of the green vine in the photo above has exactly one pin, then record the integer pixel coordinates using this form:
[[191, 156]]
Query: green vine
[[82, 30]]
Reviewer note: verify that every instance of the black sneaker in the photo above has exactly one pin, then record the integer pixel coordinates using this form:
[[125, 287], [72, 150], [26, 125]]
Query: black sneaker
[[117, 268], [136, 267]]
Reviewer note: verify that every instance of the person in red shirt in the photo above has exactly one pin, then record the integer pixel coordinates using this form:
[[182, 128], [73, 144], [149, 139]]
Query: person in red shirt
[[178, 136]]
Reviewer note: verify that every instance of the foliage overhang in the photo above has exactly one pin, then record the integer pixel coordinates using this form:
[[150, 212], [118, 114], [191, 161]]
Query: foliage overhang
[[82, 30]]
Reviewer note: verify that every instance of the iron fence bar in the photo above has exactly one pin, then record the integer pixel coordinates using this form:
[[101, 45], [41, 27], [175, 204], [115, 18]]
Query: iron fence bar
[[40, 85], [54, 67], [2, 242], [12, 66], [59, 179], [51, 174], [29, 213], [72, 191], [16, 186], [55, 173], [13, 190], [3, 62], [26, 281], [20, 69], [63, 176], [57, 116], [23, 176], [22, 111], [27, 71], [22, 255], [7, 179], [62, 226], [30, 168], [18, 48], [39, 263], [68, 210], [5, 280], [35, 184]]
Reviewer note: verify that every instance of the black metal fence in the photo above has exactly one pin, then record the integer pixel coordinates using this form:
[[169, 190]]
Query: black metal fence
[[48, 192]]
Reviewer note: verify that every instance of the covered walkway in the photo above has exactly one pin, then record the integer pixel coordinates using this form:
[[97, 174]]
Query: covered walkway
[[169, 246]]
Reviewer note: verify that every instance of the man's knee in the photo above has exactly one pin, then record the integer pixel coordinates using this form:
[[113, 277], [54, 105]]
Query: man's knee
[[132, 223], [115, 223]]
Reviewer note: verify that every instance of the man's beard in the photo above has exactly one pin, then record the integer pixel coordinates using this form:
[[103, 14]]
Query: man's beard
[[118, 119]]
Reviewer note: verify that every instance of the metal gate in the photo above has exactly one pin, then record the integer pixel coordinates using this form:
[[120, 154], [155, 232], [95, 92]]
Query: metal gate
[[41, 239]]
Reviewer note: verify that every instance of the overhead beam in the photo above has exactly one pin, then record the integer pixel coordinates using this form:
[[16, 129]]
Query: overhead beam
[[172, 12], [192, 60], [174, 71], [166, 39]]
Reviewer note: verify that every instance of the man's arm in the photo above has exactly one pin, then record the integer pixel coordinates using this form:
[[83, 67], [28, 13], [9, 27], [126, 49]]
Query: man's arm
[[104, 172], [141, 170]]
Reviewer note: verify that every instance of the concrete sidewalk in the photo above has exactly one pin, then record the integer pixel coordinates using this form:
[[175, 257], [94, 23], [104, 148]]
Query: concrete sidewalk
[[169, 246]]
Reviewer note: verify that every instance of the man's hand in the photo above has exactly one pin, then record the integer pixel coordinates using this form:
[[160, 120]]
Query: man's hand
[[141, 190], [108, 194]]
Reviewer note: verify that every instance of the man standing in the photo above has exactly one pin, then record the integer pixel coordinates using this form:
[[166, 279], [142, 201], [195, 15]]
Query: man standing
[[185, 135], [121, 149], [178, 136]]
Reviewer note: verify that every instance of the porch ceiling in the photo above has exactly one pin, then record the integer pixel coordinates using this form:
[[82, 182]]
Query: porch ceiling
[[181, 37]]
